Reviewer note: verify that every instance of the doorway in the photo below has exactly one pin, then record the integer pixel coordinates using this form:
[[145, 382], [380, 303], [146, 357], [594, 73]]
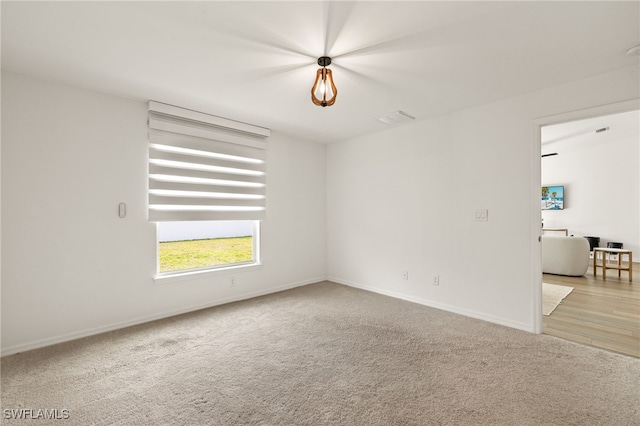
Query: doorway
[[594, 157]]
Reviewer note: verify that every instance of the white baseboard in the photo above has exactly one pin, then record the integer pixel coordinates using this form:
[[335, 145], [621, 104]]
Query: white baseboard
[[35, 344], [443, 307]]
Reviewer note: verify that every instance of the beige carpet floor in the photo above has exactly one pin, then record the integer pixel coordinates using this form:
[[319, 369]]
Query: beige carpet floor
[[323, 354], [552, 295]]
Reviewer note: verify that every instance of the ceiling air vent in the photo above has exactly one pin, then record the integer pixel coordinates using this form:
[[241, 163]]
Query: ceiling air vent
[[395, 118]]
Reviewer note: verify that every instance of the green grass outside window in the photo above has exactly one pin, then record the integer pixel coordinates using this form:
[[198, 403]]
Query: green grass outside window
[[192, 254]]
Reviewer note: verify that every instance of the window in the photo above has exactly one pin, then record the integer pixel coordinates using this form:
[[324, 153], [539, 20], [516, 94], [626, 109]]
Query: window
[[207, 177], [200, 245]]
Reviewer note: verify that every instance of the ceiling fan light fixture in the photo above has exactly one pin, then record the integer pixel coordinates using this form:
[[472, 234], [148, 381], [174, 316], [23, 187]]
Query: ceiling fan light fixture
[[324, 92]]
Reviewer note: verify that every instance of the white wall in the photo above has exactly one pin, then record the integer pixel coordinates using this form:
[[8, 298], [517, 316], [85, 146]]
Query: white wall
[[601, 175], [72, 267], [400, 200], [404, 200]]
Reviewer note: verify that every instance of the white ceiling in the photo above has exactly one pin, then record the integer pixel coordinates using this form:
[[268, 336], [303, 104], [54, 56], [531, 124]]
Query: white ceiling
[[256, 61], [582, 134]]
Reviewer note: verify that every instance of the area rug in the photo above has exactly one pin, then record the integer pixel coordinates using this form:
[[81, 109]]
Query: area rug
[[552, 295]]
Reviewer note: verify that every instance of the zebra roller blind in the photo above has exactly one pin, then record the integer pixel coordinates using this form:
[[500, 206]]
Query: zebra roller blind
[[203, 167]]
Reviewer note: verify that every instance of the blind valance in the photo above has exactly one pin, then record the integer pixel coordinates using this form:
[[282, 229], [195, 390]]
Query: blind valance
[[203, 167]]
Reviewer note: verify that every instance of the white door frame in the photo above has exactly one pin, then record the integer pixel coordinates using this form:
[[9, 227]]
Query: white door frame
[[536, 177]]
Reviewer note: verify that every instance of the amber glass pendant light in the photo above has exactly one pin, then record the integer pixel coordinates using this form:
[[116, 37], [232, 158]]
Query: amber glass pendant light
[[324, 90]]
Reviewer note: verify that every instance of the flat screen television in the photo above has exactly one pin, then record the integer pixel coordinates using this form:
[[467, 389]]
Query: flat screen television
[[552, 197]]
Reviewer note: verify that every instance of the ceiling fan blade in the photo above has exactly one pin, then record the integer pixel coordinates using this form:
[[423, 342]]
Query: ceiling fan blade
[[417, 39], [269, 72], [336, 15], [362, 77], [376, 91], [267, 39], [450, 26]]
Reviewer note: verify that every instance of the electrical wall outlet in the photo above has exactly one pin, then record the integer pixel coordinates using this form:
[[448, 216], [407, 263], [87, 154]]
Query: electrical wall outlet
[[405, 275], [436, 279], [232, 283]]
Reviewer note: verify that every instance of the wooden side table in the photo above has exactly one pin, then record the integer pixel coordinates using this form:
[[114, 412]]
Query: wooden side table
[[604, 265]]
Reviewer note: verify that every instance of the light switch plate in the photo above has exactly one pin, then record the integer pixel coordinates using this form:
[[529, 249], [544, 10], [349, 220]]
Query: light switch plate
[[482, 215]]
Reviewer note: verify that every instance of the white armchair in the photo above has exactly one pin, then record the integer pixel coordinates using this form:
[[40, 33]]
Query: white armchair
[[565, 255]]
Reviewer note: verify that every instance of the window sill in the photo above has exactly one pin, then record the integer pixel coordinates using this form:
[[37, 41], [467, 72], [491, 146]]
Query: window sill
[[169, 278]]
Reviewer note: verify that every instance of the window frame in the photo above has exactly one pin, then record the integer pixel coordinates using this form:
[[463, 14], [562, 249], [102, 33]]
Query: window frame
[[213, 270]]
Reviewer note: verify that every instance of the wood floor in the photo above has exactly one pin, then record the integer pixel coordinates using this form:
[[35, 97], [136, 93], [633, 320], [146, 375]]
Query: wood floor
[[599, 313]]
